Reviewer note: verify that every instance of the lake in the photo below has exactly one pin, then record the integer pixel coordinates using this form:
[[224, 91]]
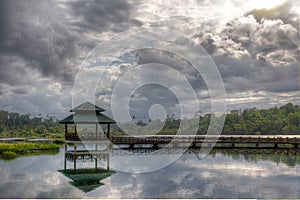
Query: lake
[[224, 173]]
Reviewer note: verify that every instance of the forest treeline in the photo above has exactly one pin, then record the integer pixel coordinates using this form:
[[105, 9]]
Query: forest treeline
[[272, 121], [23, 125], [282, 120], [276, 120]]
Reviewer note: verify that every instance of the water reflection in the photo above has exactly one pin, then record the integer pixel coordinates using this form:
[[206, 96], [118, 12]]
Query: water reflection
[[13, 157], [225, 173], [288, 156], [86, 179]]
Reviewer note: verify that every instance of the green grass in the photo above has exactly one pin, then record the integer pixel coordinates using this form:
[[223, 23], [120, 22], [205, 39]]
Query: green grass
[[12, 151], [59, 141]]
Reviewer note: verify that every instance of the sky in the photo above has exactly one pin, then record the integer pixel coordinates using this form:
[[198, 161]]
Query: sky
[[51, 51]]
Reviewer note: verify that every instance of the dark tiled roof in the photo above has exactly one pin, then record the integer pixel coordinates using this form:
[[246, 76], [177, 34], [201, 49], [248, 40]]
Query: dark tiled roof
[[87, 113], [87, 106], [87, 118]]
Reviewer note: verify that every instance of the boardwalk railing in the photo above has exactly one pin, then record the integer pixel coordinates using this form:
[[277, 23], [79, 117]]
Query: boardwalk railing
[[195, 139], [164, 139]]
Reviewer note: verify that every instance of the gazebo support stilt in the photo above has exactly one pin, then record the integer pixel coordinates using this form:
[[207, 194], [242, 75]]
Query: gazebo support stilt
[[66, 130], [108, 130], [65, 161], [96, 163], [74, 156]]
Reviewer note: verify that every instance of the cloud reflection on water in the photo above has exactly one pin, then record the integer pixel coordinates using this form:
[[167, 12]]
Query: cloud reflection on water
[[217, 176]]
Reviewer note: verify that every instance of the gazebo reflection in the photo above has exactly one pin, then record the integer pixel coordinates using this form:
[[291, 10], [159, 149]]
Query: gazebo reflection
[[86, 179]]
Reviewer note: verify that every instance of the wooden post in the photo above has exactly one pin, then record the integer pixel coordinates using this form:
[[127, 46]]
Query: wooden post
[[96, 148], [97, 131], [96, 145], [108, 154], [66, 146], [65, 161], [66, 131], [74, 156], [107, 162], [96, 163], [108, 133], [76, 135]]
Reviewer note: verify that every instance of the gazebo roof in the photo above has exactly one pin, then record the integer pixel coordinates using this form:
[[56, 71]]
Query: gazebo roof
[[87, 118], [87, 106], [87, 113]]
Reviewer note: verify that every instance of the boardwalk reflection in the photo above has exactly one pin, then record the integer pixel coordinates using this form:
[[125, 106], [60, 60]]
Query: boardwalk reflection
[[288, 156]]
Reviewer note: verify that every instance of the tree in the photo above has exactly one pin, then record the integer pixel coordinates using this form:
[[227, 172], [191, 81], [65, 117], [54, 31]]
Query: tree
[[13, 119], [3, 118], [41, 130], [288, 108]]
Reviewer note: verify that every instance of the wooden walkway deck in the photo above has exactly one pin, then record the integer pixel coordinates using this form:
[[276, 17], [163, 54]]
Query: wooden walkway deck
[[151, 144], [199, 139]]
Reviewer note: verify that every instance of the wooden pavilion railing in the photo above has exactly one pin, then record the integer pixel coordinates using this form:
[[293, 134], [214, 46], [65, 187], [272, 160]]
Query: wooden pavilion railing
[[84, 137]]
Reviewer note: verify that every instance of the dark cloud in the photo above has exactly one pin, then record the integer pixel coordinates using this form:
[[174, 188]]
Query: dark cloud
[[243, 75], [48, 37], [148, 95], [42, 42], [13, 71], [102, 15], [34, 31], [184, 67]]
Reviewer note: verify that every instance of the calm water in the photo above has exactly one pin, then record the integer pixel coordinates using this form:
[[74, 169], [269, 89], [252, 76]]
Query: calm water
[[222, 174]]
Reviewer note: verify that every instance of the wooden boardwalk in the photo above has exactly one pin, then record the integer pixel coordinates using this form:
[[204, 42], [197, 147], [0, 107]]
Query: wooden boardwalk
[[194, 140], [208, 139], [118, 145]]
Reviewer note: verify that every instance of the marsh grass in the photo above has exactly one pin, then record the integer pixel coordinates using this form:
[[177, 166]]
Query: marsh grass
[[12, 151]]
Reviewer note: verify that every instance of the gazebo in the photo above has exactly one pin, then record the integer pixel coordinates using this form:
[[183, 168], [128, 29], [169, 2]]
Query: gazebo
[[86, 113]]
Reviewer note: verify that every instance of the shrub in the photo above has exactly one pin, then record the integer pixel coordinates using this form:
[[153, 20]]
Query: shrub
[[58, 141], [8, 155]]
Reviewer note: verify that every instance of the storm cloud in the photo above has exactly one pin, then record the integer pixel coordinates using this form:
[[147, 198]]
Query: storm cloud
[[102, 15], [42, 44], [33, 31]]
